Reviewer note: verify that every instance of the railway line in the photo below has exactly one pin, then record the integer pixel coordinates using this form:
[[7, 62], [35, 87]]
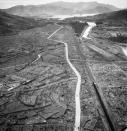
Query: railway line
[[108, 121]]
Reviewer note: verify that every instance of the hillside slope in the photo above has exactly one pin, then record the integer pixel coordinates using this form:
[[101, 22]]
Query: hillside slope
[[11, 23], [117, 17]]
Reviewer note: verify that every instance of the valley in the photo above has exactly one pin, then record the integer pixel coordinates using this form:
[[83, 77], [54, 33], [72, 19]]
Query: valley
[[63, 75]]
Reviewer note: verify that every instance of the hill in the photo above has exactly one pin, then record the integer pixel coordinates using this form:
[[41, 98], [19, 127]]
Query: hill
[[10, 24], [60, 8], [116, 18], [116, 15]]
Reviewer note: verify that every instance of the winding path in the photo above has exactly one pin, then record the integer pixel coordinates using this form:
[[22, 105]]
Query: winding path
[[78, 85], [39, 56], [77, 92]]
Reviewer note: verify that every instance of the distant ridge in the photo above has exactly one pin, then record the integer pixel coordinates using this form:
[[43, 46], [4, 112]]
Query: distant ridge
[[60, 8], [118, 18], [116, 15]]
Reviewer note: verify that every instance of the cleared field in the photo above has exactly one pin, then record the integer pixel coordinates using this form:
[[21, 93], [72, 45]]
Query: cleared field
[[39, 92], [90, 118], [109, 71], [112, 80], [23, 47], [37, 86]]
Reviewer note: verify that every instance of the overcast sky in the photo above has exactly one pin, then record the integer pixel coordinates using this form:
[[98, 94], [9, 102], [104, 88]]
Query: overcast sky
[[10, 3]]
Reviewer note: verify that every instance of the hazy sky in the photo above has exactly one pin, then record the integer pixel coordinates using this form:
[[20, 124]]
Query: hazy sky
[[9, 3]]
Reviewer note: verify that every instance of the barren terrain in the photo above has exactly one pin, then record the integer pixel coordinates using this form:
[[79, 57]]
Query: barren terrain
[[37, 85]]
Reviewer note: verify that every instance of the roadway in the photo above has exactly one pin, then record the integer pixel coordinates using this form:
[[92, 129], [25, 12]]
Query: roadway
[[78, 85]]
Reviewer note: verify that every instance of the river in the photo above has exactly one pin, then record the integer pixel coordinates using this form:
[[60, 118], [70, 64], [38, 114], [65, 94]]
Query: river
[[87, 31]]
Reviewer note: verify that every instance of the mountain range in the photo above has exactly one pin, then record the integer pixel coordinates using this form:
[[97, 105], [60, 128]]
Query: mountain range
[[60, 8]]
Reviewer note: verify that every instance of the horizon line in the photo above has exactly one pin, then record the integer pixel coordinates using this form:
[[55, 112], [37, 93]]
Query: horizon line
[[61, 1]]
